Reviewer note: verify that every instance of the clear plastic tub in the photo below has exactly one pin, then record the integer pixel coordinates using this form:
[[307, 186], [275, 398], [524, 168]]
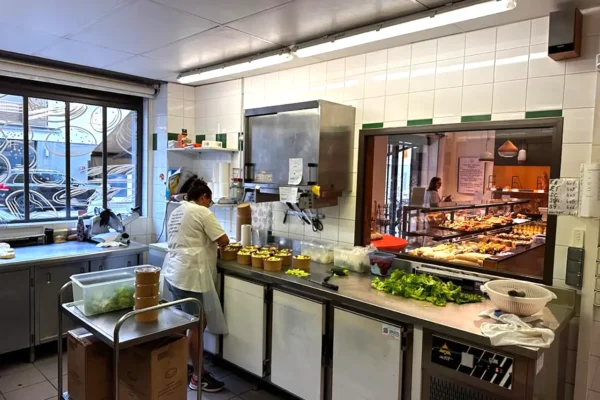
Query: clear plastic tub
[[318, 252], [353, 258], [104, 291], [381, 263]]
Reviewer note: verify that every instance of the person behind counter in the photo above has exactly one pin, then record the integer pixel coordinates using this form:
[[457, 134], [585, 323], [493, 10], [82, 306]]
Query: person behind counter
[[190, 269], [432, 197]]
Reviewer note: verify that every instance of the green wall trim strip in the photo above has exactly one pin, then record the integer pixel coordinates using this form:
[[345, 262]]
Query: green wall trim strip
[[476, 118], [172, 136], [373, 125], [200, 138], [544, 114], [154, 141], [222, 137], [416, 122]]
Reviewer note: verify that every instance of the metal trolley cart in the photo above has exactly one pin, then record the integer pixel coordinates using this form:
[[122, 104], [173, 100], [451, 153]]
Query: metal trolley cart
[[119, 331]]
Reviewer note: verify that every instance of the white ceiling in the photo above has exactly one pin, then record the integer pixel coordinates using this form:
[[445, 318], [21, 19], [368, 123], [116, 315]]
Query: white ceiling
[[159, 38]]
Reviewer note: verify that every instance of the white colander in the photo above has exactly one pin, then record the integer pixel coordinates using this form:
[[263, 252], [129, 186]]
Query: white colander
[[535, 298]]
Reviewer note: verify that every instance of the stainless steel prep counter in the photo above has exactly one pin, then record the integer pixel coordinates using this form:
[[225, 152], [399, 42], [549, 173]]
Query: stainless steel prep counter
[[66, 252], [461, 321], [29, 284]]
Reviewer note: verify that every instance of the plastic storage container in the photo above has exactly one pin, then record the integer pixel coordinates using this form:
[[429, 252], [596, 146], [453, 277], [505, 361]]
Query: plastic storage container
[[353, 258], [104, 291], [321, 253], [381, 263]]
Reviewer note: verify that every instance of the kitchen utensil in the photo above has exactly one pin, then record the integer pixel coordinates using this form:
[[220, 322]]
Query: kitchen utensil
[[535, 298], [326, 284]]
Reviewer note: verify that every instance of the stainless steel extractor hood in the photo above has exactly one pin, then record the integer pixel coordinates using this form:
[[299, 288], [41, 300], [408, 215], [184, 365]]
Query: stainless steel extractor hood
[[318, 132]]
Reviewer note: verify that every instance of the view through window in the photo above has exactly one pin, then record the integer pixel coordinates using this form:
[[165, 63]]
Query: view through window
[[49, 173]]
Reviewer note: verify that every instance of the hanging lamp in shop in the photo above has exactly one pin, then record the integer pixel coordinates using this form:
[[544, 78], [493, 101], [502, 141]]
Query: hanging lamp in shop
[[508, 149], [522, 156], [486, 155]]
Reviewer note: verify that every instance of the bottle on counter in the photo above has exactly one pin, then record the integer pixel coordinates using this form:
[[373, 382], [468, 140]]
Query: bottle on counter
[[80, 229]]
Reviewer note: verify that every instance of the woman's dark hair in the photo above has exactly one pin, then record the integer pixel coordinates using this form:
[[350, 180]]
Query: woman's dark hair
[[198, 189], [433, 183]]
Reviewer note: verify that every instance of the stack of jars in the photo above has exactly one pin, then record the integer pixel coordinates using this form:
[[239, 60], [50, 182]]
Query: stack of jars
[[147, 283]]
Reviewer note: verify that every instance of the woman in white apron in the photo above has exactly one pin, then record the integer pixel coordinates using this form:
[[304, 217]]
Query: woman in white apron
[[190, 269]]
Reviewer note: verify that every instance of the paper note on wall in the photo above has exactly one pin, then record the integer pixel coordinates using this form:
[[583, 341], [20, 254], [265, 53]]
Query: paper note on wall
[[288, 195], [563, 196], [295, 172], [590, 190]]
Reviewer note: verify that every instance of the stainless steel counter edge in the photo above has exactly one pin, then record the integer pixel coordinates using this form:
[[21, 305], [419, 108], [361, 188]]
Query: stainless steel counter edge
[[460, 321], [63, 252]]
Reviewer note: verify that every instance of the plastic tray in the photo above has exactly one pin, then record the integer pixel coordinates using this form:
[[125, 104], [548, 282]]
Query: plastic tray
[[318, 252], [104, 291]]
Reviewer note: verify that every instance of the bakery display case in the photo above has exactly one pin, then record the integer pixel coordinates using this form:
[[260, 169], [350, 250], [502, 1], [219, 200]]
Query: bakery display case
[[490, 236]]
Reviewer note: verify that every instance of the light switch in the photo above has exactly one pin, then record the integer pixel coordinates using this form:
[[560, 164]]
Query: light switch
[[578, 237], [574, 270]]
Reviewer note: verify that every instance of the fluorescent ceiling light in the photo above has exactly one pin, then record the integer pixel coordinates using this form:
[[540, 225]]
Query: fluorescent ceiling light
[[196, 76], [425, 22]]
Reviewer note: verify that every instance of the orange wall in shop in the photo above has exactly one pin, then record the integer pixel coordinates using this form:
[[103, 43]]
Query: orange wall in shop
[[527, 175]]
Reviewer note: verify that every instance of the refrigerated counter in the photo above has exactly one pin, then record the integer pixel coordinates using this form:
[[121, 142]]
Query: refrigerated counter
[[316, 343]]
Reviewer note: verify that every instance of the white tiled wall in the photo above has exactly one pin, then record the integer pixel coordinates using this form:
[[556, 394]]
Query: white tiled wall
[[502, 71]]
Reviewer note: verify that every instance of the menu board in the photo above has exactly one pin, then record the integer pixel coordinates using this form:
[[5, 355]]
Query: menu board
[[471, 175], [563, 196]]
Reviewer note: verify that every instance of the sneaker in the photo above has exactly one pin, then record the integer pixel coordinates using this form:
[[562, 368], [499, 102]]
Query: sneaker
[[194, 382], [210, 384]]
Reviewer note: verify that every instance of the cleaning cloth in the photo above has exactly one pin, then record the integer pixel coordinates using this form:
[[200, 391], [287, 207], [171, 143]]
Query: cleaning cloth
[[512, 330]]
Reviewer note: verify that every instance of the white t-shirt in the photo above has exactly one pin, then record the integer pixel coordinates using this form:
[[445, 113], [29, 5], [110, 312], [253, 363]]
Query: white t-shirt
[[432, 198], [191, 234]]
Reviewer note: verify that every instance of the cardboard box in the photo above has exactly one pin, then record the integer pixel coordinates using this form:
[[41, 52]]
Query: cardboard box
[[90, 367], [154, 371]]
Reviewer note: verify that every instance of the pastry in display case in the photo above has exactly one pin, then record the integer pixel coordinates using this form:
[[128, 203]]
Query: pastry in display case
[[488, 236]]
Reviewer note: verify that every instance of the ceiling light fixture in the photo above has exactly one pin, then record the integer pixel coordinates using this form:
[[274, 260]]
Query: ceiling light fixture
[[230, 69], [419, 22]]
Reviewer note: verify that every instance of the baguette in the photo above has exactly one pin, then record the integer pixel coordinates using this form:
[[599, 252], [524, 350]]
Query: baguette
[[472, 257], [465, 262]]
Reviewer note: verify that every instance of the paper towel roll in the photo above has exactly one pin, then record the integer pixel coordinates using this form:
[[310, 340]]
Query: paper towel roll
[[222, 189], [224, 172], [246, 235], [211, 186], [215, 173]]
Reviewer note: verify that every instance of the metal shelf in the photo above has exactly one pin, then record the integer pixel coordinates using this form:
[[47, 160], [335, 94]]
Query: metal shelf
[[119, 329], [197, 150], [424, 209], [169, 321]]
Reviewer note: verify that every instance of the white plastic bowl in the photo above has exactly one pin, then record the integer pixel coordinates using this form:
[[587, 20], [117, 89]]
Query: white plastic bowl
[[536, 297]]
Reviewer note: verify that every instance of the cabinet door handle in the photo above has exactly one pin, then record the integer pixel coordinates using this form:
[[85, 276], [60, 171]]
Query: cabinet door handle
[[48, 278], [82, 270]]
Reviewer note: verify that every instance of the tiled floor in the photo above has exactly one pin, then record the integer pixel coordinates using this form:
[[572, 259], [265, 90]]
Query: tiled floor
[[21, 380]]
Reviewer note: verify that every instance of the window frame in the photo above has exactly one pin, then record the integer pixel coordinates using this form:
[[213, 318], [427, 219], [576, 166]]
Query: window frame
[[68, 94]]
